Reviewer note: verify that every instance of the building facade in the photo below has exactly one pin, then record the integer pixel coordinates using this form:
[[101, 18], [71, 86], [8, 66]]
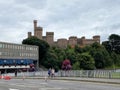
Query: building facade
[[17, 56], [62, 42]]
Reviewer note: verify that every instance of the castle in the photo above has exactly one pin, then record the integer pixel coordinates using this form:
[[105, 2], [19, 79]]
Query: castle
[[63, 42]]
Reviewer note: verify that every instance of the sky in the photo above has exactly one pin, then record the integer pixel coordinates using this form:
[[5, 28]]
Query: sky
[[63, 17]]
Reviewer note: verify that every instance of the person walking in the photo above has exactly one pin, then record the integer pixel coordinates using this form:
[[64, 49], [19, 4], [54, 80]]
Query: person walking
[[15, 73], [49, 72], [52, 72]]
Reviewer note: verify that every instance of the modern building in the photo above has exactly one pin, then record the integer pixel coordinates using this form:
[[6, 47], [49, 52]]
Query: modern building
[[17, 56], [62, 42]]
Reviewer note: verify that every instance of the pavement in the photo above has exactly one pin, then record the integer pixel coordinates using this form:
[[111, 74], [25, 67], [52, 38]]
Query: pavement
[[96, 80]]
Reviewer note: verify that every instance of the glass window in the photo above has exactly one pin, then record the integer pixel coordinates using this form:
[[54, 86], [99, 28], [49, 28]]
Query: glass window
[[8, 46], [0, 45]]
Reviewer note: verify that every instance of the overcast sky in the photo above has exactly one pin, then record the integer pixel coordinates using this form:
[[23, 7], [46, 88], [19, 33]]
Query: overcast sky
[[63, 17]]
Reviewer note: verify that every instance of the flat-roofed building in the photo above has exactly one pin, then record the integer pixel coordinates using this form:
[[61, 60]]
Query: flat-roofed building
[[13, 56]]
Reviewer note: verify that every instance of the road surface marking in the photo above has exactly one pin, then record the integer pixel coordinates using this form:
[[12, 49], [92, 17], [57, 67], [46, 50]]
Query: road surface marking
[[13, 89], [53, 88]]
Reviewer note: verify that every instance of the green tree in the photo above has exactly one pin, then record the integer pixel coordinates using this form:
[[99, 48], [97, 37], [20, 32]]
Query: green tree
[[43, 47], [71, 53], [107, 45], [99, 60], [116, 59], [60, 53], [51, 61], [114, 37], [78, 49], [86, 62], [76, 66], [101, 56], [114, 42]]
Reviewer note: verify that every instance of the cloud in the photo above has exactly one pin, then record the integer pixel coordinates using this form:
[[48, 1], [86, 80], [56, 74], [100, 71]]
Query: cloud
[[63, 17]]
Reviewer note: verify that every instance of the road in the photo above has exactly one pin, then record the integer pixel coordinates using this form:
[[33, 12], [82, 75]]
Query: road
[[40, 84]]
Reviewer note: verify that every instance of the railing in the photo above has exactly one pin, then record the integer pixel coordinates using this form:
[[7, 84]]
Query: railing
[[75, 73]]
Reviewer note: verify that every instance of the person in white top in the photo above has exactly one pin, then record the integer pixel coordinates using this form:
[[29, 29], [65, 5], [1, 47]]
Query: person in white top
[[52, 72]]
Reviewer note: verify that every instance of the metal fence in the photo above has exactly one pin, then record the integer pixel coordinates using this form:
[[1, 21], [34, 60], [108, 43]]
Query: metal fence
[[74, 73]]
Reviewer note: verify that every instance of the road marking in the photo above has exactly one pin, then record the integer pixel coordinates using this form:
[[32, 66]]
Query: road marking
[[13, 89], [28, 85], [52, 89]]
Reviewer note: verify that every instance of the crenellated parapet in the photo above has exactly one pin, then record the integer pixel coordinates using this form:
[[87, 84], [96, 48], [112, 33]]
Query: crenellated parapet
[[62, 43], [72, 41]]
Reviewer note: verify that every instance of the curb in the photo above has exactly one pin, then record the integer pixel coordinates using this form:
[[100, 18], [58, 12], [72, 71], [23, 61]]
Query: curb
[[90, 81], [70, 79]]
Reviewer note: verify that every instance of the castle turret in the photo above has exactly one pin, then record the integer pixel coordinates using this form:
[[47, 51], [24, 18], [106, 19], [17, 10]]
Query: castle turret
[[72, 41], [62, 43], [37, 30], [35, 24], [96, 38], [29, 34], [83, 40], [50, 37]]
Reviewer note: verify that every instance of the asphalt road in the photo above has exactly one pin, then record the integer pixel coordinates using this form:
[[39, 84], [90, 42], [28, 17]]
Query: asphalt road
[[41, 84]]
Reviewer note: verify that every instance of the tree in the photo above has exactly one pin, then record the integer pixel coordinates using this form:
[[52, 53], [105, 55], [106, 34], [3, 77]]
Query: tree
[[43, 46], [51, 61], [107, 45], [78, 49], [114, 37], [116, 59], [99, 60], [113, 43], [76, 66], [101, 56], [60, 53], [86, 62]]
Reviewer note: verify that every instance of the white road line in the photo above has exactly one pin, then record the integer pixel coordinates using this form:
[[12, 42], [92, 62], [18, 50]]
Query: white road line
[[52, 89], [28, 85], [13, 89]]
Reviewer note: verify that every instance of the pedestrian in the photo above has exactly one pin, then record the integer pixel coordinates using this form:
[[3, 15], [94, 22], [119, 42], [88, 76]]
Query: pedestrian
[[49, 72], [52, 72], [15, 73]]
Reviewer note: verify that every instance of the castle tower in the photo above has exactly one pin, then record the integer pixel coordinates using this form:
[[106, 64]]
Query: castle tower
[[29, 34], [50, 37], [37, 30], [62, 43], [72, 41], [83, 40], [96, 38], [35, 25]]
